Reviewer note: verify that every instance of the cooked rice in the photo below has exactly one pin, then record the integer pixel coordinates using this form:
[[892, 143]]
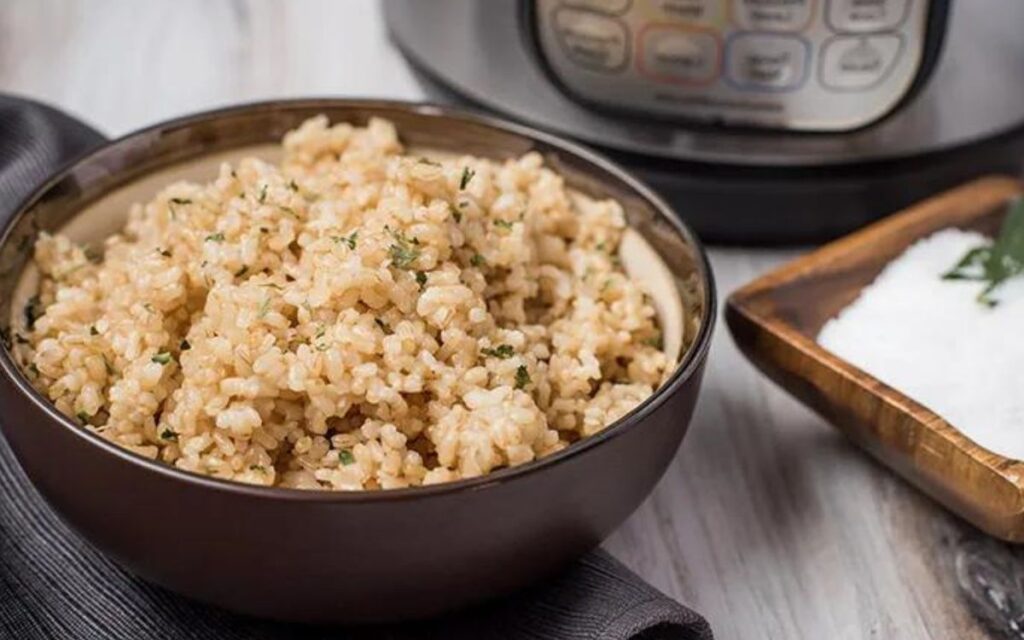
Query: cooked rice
[[357, 317]]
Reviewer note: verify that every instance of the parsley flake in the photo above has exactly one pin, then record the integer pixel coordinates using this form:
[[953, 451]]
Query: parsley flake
[[421, 279], [404, 252], [93, 331], [162, 358], [467, 175], [215, 237], [83, 417], [345, 457], [502, 351], [654, 341], [349, 240], [503, 224], [477, 260], [167, 434], [522, 377]]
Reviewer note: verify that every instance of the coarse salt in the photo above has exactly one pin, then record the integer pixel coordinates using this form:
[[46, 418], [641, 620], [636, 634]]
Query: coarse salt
[[932, 340]]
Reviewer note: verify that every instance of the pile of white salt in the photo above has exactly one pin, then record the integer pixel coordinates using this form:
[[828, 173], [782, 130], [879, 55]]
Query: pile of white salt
[[932, 340]]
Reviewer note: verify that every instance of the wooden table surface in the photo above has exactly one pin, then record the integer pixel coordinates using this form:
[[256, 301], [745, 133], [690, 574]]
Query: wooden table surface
[[768, 522]]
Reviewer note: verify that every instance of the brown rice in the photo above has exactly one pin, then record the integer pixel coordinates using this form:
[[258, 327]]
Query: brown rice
[[357, 317]]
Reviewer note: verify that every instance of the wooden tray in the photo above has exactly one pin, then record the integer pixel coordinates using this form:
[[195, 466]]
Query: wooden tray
[[775, 321]]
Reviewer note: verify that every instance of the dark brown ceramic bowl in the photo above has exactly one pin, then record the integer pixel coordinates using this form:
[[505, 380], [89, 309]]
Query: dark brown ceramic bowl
[[330, 556]]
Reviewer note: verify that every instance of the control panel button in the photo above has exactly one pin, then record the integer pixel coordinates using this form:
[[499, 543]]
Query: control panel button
[[604, 6], [695, 11], [678, 54], [767, 62], [861, 16], [854, 63], [592, 40], [773, 15]]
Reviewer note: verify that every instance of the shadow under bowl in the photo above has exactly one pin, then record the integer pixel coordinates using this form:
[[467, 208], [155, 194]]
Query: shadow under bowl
[[322, 556]]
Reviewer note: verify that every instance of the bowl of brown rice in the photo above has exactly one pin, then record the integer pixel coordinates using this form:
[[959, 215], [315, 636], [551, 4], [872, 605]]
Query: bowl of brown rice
[[333, 360]]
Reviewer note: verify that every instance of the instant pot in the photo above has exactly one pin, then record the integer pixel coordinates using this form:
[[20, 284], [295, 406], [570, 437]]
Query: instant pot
[[760, 120]]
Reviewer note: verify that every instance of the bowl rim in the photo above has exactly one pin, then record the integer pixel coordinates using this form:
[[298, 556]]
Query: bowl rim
[[692, 360]]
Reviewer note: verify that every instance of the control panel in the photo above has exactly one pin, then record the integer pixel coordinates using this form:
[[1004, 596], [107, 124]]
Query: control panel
[[802, 65]]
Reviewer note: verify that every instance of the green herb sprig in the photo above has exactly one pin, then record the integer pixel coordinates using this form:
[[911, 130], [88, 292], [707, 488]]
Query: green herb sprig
[[998, 262]]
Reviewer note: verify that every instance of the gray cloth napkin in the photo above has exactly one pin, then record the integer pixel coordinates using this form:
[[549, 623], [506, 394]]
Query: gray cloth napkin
[[55, 585]]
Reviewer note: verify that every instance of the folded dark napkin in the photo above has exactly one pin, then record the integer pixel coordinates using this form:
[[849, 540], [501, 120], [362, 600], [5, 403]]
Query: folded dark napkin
[[55, 585]]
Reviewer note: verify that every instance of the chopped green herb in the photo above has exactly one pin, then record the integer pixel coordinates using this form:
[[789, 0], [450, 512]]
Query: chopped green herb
[[503, 224], [180, 201], [167, 434], [289, 211], [421, 279], [477, 260], [349, 240], [33, 369], [380, 323], [600, 246], [321, 331], [184, 346], [404, 251], [502, 351], [162, 358], [215, 237], [241, 272], [257, 467], [456, 214], [264, 230], [33, 310], [271, 285], [294, 187], [467, 175], [263, 195], [92, 255], [93, 331], [264, 308], [654, 341], [83, 417], [522, 377], [428, 161], [345, 457], [165, 253], [997, 263]]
